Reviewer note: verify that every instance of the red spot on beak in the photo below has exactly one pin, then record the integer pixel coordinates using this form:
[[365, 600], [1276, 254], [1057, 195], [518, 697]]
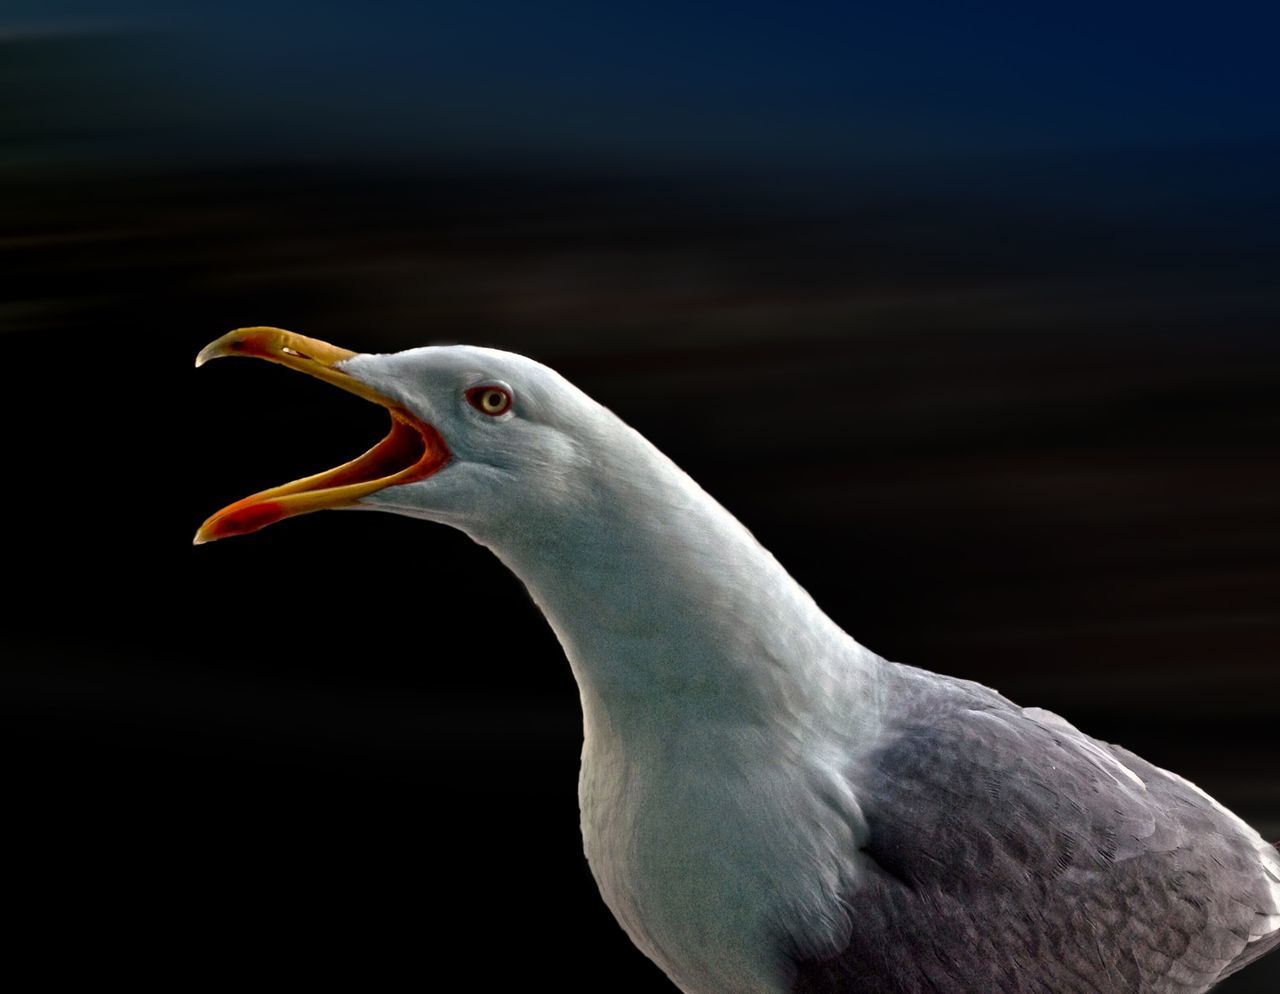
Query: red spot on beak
[[247, 519]]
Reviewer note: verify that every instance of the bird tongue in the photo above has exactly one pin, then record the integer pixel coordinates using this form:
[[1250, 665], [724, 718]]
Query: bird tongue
[[411, 450]]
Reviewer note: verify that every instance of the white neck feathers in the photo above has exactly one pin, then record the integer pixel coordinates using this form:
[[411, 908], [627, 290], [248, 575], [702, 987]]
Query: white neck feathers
[[665, 603]]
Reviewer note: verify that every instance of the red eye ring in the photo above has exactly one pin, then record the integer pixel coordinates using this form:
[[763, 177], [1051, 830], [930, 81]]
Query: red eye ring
[[489, 400]]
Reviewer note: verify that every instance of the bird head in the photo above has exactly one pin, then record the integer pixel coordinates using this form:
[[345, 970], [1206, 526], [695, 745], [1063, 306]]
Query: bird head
[[478, 436]]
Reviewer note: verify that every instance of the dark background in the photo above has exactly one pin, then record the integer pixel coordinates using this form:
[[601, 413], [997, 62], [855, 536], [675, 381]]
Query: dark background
[[970, 315]]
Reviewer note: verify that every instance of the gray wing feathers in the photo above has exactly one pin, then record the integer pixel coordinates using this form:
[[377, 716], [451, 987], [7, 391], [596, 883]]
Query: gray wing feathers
[[1012, 853]]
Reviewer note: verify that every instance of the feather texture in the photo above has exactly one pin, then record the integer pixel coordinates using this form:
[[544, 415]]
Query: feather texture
[[1016, 854]]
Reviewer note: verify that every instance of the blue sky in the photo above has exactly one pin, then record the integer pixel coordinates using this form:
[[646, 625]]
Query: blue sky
[[807, 84]]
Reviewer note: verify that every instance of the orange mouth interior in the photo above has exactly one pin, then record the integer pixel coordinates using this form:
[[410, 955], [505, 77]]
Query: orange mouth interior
[[412, 450]]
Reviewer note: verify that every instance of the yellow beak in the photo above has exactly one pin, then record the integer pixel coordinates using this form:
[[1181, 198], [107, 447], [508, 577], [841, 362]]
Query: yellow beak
[[411, 451]]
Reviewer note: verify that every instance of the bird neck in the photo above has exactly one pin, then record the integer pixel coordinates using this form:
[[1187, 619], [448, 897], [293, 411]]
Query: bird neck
[[669, 610]]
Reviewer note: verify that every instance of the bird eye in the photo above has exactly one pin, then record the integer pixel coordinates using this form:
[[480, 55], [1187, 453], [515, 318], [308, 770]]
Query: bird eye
[[489, 400]]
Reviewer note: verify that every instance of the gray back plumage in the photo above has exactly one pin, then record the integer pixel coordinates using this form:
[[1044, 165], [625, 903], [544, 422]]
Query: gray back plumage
[[1012, 853]]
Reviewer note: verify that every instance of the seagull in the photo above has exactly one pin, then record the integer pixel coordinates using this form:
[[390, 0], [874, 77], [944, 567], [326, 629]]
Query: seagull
[[766, 805]]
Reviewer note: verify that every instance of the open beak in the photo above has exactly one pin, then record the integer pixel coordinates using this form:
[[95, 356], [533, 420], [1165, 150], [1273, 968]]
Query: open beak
[[411, 451]]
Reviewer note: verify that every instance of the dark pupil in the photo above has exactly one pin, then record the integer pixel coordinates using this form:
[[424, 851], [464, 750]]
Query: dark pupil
[[493, 399]]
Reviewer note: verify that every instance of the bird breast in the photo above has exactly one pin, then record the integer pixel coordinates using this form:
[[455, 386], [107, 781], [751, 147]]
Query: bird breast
[[717, 848]]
